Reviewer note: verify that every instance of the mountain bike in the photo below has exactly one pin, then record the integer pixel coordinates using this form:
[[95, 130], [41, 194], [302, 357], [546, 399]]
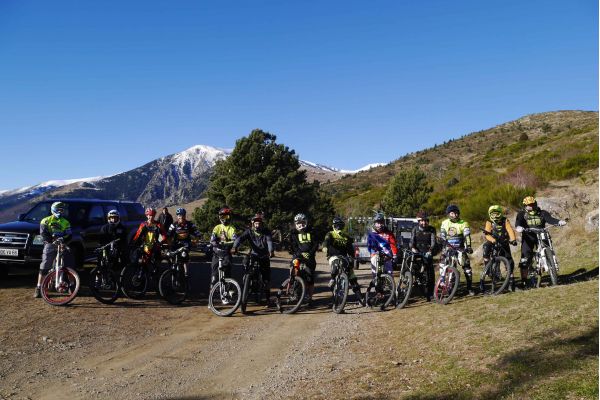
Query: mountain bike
[[341, 267], [449, 279], [291, 292], [105, 282], [545, 257], [413, 274], [496, 272], [252, 282], [61, 285], [137, 278], [173, 284], [381, 290], [225, 295]]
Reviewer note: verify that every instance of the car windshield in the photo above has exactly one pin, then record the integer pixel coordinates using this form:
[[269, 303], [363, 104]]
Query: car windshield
[[75, 213]]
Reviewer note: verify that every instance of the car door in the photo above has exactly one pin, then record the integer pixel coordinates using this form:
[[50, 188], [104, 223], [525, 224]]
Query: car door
[[91, 230]]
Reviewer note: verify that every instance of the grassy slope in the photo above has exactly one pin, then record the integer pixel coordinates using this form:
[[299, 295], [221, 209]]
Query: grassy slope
[[535, 344], [473, 171]]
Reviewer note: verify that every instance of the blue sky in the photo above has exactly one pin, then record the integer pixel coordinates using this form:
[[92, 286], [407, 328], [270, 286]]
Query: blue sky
[[96, 88]]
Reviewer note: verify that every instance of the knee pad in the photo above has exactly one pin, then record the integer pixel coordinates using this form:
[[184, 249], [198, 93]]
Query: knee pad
[[468, 271], [524, 262]]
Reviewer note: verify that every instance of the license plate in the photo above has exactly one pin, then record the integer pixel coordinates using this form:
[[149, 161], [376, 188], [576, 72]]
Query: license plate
[[9, 252]]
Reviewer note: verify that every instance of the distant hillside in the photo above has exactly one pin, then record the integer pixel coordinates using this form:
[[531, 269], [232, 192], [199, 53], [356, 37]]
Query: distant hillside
[[496, 165]]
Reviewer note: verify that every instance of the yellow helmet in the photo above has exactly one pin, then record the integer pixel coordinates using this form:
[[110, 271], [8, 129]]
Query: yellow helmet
[[529, 200]]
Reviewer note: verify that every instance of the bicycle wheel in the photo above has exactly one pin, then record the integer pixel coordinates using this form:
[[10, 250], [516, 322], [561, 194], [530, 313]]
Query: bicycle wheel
[[290, 295], [172, 286], [134, 281], [549, 254], [104, 285], [446, 286], [225, 297], [245, 292], [404, 288], [495, 276], [340, 292], [65, 291], [380, 294]]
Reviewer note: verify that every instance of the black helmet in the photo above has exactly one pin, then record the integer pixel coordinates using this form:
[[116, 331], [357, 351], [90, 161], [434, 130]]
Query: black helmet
[[379, 217], [180, 211], [338, 223], [452, 208]]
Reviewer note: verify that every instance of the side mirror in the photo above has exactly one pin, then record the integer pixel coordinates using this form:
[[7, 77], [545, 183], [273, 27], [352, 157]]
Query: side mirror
[[21, 217]]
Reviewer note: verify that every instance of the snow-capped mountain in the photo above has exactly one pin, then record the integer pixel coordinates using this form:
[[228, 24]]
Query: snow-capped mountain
[[174, 179]]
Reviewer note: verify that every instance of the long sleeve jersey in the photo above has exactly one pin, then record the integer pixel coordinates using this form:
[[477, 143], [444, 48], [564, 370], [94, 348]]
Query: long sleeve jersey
[[223, 236], [260, 242], [338, 243], [423, 239], [384, 240], [52, 227], [503, 230], [303, 242], [457, 233]]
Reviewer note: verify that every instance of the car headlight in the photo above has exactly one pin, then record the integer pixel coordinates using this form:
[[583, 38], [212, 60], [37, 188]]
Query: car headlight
[[37, 240]]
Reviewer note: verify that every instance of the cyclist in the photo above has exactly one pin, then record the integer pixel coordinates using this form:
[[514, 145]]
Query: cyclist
[[382, 239], [304, 245], [261, 246], [422, 240], [223, 236], [457, 232], [114, 230], [337, 243], [531, 217], [500, 225], [52, 228], [181, 232], [149, 236]]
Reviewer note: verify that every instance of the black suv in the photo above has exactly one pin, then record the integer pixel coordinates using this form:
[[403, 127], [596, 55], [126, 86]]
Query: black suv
[[21, 243]]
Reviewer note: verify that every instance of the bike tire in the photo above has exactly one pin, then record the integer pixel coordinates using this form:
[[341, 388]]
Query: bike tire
[[340, 292], [173, 286], [58, 296], [381, 297], [245, 292], [227, 305], [105, 285], [134, 281], [404, 288], [495, 276], [289, 299], [548, 253], [446, 286]]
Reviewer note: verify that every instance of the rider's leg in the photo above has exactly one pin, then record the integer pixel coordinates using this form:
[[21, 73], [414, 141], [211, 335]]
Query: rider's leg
[[468, 274], [214, 270], [265, 273], [487, 251], [526, 255], [332, 267], [430, 273], [48, 256], [312, 266]]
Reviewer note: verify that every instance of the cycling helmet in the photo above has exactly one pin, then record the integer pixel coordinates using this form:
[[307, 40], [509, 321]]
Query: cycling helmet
[[150, 212], [529, 201], [58, 208], [181, 211], [301, 221], [257, 218], [452, 208], [496, 213], [422, 215], [338, 223], [379, 222], [224, 214], [113, 217]]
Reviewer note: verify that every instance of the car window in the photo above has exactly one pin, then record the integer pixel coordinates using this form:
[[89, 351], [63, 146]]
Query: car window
[[96, 215], [37, 213], [135, 211], [77, 213]]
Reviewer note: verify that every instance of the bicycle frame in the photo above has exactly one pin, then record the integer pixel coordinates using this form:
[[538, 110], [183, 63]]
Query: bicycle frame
[[544, 241]]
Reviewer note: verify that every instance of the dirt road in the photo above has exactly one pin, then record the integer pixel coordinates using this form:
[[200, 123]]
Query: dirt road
[[151, 350]]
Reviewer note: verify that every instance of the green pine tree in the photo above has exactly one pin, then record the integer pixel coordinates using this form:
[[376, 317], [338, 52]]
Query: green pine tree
[[263, 175], [407, 193]]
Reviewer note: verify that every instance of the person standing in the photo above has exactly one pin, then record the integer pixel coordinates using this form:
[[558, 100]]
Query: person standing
[[165, 219]]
